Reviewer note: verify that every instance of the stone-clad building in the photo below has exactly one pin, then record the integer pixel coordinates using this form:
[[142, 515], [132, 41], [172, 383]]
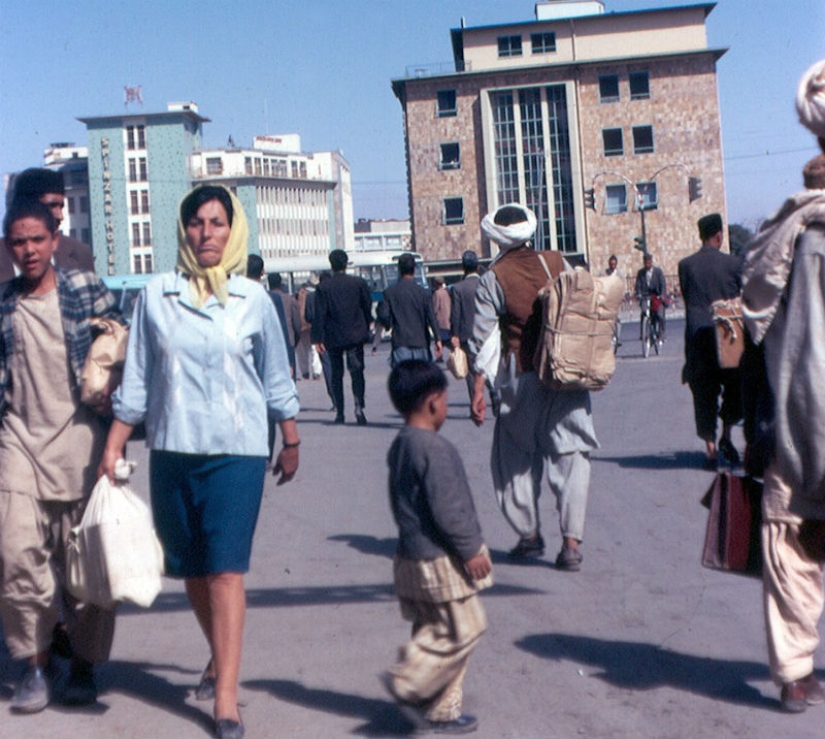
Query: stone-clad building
[[624, 104]]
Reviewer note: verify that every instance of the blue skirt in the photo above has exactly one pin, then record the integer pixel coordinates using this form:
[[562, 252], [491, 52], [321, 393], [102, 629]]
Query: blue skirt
[[205, 509]]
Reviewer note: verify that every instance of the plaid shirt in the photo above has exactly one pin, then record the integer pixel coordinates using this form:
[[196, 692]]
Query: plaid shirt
[[81, 295]]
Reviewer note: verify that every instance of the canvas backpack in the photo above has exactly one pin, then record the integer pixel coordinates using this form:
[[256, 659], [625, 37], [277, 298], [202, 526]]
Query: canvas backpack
[[575, 350]]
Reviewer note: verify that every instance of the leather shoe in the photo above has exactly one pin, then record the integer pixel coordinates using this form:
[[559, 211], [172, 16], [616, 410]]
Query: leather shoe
[[360, 419], [569, 559], [81, 689], [533, 547], [339, 418], [799, 694], [33, 693], [227, 728]]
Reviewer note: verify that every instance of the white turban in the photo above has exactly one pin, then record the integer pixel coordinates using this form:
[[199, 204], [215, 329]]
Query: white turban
[[810, 99], [513, 235]]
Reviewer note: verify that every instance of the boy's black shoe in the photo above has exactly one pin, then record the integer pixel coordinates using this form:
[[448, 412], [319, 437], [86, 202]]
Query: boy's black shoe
[[464, 724]]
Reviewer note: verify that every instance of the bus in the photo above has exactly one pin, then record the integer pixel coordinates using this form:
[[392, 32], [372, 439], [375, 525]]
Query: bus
[[379, 269]]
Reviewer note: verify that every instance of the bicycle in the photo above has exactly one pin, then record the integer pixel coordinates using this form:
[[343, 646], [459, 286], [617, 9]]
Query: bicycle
[[650, 331], [617, 335]]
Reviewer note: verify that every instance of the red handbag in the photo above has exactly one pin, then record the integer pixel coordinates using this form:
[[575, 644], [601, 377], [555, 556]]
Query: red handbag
[[733, 538]]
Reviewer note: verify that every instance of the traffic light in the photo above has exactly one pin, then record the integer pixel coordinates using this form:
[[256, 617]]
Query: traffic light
[[639, 243], [694, 188], [590, 199]]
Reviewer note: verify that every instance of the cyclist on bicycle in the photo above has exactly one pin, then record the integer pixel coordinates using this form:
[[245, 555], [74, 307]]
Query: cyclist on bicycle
[[651, 292]]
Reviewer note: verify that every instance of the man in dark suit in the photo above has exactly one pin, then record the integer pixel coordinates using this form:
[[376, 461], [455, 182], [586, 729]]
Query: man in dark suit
[[704, 277], [651, 291], [341, 326], [464, 308], [47, 186], [407, 309]]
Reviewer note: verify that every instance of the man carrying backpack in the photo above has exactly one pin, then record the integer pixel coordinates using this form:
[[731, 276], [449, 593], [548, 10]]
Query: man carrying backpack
[[539, 431]]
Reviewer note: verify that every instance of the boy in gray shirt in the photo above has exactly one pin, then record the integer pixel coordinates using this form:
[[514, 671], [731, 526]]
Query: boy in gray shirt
[[441, 561]]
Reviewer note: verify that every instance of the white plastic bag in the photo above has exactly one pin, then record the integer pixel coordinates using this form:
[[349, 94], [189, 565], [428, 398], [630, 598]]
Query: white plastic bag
[[114, 555]]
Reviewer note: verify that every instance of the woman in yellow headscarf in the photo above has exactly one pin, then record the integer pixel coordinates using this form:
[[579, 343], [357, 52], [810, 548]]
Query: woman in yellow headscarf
[[205, 364]]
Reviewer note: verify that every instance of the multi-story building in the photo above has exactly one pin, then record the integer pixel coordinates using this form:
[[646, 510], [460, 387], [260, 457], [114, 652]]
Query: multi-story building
[[72, 161], [138, 173], [302, 202], [140, 165], [620, 109], [387, 235]]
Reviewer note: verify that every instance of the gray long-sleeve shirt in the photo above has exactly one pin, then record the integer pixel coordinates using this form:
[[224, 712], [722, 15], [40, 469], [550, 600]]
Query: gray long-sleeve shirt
[[430, 498]]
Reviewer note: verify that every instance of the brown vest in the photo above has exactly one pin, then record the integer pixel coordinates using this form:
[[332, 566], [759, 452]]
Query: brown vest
[[521, 276]]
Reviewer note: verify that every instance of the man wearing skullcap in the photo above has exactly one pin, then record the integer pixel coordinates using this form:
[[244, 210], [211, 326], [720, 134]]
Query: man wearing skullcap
[[47, 186], [783, 303], [539, 431], [705, 276]]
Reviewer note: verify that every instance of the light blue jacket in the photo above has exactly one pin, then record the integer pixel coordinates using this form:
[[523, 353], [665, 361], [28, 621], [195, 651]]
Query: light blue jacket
[[204, 379]]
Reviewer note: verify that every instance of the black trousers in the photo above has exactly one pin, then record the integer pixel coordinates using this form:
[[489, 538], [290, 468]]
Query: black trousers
[[354, 356]]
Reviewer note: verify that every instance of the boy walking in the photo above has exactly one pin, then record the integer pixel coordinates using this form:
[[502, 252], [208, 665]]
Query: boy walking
[[441, 561]]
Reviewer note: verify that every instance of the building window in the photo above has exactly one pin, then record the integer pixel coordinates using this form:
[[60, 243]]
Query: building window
[[302, 170], [639, 85], [543, 43], [612, 140], [450, 156], [247, 165], [642, 139], [143, 171], [137, 261], [84, 204], [453, 211], [144, 201], [615, 199], [609, 88], [70, 204], [135, 234], [214, 165], [130, 137], [132, 170], [133, 197], [509, 46], [147, 233], [85, 235], [648, 195], [141, 136], [446, 103], [533, 160]]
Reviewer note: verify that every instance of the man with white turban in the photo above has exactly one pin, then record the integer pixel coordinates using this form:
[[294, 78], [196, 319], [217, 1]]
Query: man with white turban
[[784, 307], [539, 431]]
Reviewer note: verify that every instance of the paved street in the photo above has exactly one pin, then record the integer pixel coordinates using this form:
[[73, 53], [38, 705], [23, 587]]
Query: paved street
[[643, 642]]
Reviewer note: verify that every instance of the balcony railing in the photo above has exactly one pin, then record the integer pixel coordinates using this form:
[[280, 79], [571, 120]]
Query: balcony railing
[[437, 68]]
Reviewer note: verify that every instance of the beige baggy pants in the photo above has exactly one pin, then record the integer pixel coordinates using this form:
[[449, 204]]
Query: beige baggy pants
[[33, 596]]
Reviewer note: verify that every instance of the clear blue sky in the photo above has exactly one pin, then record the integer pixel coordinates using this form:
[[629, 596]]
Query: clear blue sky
[[323, 69]]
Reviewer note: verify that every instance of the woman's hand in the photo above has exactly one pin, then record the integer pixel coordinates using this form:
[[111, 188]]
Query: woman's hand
[[287, 464], [119, 434]]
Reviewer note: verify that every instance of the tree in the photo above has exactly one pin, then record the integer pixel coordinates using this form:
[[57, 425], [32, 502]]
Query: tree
[[739, 238]]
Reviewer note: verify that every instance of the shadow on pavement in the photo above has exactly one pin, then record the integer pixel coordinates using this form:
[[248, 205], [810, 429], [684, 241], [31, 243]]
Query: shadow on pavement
[[368, 544], [664, 461], [141, 681], [382, 717], [638, 666]]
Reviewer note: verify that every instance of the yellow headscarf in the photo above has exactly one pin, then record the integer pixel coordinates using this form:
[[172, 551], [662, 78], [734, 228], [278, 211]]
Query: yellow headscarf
[[204, 279]]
